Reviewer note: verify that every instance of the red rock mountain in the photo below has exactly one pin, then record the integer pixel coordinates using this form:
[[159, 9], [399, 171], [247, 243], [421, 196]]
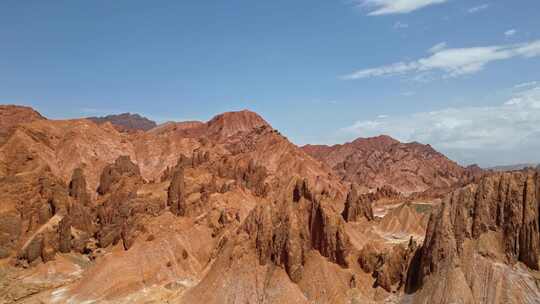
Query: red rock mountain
[[12, 116], [229, 211], [382, 160], [483, 244]]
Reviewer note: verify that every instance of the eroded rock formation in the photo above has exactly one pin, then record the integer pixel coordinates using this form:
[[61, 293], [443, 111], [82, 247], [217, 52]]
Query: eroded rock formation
[[114, 176], [44, 219], [229, 211], [78, 189], [176, 195], [478, 227], [284, 231], [358, 205], [388, 265]]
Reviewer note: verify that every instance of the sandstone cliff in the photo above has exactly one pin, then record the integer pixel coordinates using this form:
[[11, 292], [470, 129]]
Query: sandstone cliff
[[482, 245]]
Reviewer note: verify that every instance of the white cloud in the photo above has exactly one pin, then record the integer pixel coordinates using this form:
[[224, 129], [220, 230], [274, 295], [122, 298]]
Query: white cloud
[[452, 62], [529, 49], [510, 33], [505, 133], [478, 8], [437, 47], [385, 7], [526, 84], [400, 25]]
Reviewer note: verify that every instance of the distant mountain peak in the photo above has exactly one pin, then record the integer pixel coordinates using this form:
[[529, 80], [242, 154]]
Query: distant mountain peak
[[126, 121], [380, 141], [514, 167], [13, 115], [383, 160], [229, 123]]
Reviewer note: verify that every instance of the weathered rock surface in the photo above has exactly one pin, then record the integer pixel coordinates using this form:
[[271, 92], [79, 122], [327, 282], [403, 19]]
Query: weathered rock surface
[[282, 237], [478, 233], [388, 265], [383, 161], [230, 123], [229, 211], [116, 176], [12, 116], [176, 193], [40, 236], [285, 232], [358, 205], [78, 189]]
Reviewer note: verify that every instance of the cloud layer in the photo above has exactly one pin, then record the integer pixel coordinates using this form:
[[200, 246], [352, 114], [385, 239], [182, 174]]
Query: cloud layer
[[506, 133], [453, 62], [385, 7]]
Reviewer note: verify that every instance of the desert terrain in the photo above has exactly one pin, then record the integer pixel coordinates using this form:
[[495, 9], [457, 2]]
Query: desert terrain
[[118, 209]]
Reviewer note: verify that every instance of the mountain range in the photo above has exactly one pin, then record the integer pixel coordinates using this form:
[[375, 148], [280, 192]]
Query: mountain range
[[126, 121], [121, 210]]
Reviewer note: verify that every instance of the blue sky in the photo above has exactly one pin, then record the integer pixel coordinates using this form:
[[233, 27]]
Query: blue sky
[[461, 75]]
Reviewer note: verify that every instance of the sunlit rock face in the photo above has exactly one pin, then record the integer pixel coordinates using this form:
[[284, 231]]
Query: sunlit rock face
[[230, 211]]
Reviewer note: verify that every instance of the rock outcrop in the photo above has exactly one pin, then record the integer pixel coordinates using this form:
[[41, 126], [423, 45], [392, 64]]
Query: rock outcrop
[[486, 227], [176, 196], [46, 231], [78, 189], [245, 174], [81, 214], [12, 116], [358, 205], [113, 176], [388, 265], [118, 187], [284, 232]]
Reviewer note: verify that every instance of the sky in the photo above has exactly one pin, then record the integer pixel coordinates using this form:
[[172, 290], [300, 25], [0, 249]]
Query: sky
[[463, 76]]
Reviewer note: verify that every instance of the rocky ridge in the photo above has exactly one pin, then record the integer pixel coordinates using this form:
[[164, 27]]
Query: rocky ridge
[[126, 122], [232, 207], [383, 161]]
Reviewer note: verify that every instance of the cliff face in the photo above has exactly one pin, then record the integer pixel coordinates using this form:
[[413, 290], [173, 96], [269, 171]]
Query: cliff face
[[358, 205], [481, 241], [273, 255], [383, 161]]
